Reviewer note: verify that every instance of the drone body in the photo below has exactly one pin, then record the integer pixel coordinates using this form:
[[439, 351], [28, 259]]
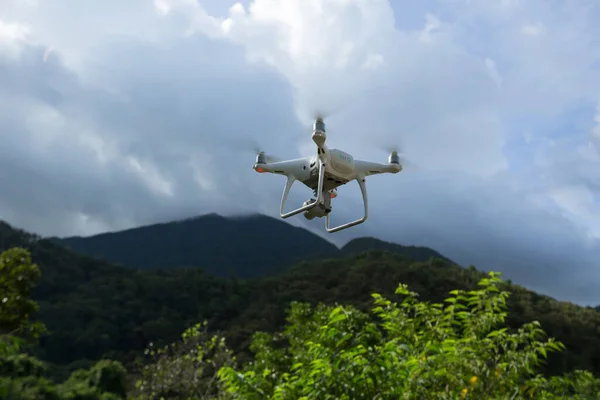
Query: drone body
[[324, 173]]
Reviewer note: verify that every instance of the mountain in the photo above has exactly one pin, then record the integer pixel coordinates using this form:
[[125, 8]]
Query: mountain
[[249, 246], [94, 309], [416, 253]]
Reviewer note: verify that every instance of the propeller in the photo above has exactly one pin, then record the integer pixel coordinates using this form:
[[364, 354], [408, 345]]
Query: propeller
[[320, 115], [250, 145], [396, 150], [389, 148], [322, 112]]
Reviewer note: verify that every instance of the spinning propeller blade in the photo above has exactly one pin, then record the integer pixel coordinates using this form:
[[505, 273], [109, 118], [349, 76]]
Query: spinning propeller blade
[[319, 115], [396, 149], [250, 145]]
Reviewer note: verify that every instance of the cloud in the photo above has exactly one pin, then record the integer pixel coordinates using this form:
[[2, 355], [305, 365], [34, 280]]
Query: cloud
[[126, 114], [322, 48], [12, 38], [119, 157]]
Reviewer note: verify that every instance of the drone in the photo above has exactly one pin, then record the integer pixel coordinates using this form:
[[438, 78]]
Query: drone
[[324, 172]]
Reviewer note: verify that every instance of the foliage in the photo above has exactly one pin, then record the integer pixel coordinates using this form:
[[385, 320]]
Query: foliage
[[23, 376], [410, 350], [186, 369], [105, 380], [95, 310], [458, 348], [18, 275]]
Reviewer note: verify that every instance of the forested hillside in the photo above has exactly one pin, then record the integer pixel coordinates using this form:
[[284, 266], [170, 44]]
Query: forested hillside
[[245, 247], [94, 309], [241, 246], [402, 347]]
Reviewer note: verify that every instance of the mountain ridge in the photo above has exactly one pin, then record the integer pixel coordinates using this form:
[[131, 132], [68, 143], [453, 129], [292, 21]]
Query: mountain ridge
[[243, 245]]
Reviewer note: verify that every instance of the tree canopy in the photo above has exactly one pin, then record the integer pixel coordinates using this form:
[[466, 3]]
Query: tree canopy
[[23, 376], [458, 346], [410, 349]]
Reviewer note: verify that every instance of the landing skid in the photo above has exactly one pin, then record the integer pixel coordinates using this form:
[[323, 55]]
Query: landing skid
[[320, 197], [286, 191], [363, 190]]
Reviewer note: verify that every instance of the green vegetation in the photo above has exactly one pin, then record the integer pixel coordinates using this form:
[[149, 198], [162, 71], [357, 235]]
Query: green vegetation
[[109, 312], [90, 312], [23, 376], [96, 310], [404, 350], [242, 247], [455, 349]]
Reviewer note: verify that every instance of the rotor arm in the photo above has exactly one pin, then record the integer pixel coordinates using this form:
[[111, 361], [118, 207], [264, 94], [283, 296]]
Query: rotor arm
[[368, 168], [363, 189], [296, 167]]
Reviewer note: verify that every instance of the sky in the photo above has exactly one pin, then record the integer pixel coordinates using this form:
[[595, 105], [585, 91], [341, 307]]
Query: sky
[[117, 114]]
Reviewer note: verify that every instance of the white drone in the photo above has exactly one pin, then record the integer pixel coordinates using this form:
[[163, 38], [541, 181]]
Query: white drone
[[323, 173]]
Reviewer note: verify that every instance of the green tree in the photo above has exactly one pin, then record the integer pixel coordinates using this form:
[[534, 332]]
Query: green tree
[[187, 369], [23, 376], [18, 276], [19, 373], [105, 380], [405, 350]]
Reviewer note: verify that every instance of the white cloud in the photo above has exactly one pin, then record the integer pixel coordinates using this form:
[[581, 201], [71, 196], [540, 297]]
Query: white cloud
[[493, 71], [533, 29], [575, 170], [579, 203], [595, 133], [13, 36], [143, 103], [322, 47], [374, 61], [432, 24]]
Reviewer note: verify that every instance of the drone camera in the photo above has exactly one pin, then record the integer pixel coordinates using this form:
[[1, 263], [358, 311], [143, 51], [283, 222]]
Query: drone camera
[[319, 211]]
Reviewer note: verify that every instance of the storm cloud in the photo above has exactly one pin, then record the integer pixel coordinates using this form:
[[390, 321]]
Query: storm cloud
[[117, 114]]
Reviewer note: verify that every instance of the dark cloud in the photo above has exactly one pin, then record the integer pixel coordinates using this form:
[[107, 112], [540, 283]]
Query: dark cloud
[[141, 123]]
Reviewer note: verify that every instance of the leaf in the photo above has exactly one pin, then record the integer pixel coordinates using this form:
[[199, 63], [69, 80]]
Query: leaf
[[343, 340], [337, 315]]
